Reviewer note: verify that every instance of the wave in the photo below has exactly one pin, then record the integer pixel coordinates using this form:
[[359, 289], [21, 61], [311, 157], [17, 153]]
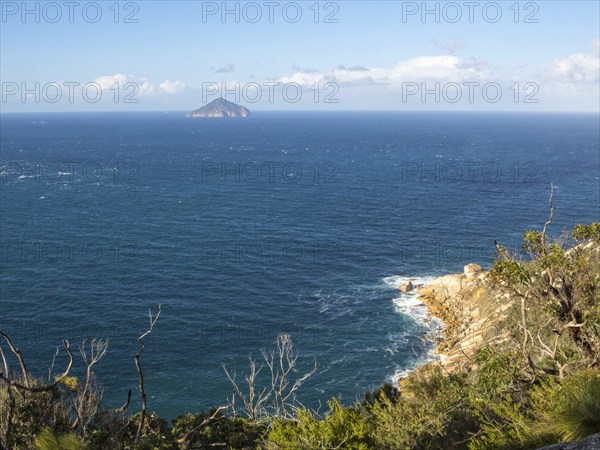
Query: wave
[[408, 303], [428, 327], [396, 281]]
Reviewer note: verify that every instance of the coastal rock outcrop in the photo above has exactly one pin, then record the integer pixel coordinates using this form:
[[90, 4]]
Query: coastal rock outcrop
[[471, 309], [408, 287], [472, 270]]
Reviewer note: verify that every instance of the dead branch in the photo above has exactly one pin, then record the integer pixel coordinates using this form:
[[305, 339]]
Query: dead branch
[[17, 353], [186, 439], [98, 349], [86, 401], [279, 396], [4, 376], [548, 222], [125, 405], [153, 320], [47, 387], [4, 363], [51, 368], [284, 395], [253, 402]]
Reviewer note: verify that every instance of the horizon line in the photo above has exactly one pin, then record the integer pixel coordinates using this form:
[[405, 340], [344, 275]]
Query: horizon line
[[260, 111]]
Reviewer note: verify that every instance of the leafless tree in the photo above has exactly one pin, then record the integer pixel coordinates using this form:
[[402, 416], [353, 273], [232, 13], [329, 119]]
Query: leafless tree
[[279, 396], [87, 399], [153, 320], [254, 403]]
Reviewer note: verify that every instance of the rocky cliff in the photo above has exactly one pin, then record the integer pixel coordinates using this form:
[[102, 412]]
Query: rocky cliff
[[472, 310]]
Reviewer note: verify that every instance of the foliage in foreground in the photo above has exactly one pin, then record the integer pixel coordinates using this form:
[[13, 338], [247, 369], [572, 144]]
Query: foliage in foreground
[[540, 386]]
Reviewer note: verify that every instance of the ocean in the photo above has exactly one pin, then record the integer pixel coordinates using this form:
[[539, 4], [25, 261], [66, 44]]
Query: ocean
[[303, 223]]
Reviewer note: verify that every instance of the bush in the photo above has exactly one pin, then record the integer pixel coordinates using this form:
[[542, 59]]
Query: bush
[[577, 412], [32, 412], [341, 428], [587, 232], [386, 390], [47, 440], [433, 412], [223, 431]]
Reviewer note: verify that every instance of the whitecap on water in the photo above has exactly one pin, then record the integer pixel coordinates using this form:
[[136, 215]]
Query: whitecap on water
[[408, 304], [396, 281]]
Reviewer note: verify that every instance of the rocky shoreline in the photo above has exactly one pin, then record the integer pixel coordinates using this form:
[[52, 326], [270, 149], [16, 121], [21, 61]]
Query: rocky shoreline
[[471, 309]]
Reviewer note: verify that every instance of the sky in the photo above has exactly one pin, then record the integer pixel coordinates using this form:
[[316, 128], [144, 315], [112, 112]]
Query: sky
[[306, 55]]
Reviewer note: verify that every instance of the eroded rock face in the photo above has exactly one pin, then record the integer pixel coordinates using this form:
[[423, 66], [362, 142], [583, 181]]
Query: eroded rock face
[[471, 307], [472, 270], [589, 443]]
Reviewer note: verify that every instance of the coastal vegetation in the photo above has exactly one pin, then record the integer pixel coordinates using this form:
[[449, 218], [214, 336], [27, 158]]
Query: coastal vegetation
[[529, 376]]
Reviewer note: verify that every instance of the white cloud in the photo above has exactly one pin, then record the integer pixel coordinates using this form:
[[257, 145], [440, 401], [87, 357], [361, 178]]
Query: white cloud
[[578, 67], [145, 86], [440, 68], [443, 68], [106, 81], [172, 87], [303, 78]]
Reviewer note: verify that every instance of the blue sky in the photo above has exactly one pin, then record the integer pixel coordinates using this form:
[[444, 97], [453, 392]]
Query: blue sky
[[371, 55]]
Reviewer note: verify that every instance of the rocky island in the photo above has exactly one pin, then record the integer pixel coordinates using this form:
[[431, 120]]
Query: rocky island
[[220, 108]]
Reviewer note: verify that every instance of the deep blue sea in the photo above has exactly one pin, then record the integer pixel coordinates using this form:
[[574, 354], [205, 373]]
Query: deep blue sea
[[297, 223]]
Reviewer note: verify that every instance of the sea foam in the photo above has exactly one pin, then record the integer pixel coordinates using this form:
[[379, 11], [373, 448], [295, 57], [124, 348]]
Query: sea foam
[[408, 304]]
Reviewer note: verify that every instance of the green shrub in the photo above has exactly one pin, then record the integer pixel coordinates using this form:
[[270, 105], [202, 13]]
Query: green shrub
[[505, 425], [31, 413], [546, 413], [47, 440], [341, 428], [387, 390], [497, 371], [228, 432], [577, 413], [433, 412], [587, 231]]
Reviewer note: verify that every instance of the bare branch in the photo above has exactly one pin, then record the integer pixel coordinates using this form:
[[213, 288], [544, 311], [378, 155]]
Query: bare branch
[[186, 438], [153, 320], [98, 349], [125, 405], [4, 363], [17, 353], [548, 222], [87, 400], [48, 387], [51, 368], [280, 395], [253, 401]]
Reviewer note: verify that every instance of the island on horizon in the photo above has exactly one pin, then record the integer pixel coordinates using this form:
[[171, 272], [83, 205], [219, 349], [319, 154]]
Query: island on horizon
[[220, 108]]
